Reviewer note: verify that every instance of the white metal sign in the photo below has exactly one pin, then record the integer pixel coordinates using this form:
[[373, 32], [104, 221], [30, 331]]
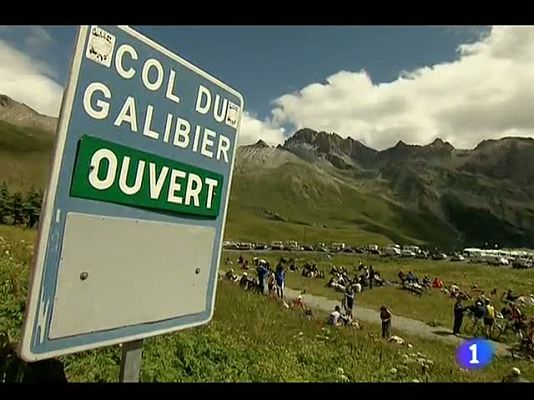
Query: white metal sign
[[131, 232]]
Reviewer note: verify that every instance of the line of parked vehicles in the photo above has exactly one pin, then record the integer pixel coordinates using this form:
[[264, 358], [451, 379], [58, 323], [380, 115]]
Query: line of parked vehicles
[[517, 259], [393, 250]]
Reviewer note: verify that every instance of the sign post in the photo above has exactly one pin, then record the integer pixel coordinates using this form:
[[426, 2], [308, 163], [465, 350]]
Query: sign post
[[131, 232], [131, 361]]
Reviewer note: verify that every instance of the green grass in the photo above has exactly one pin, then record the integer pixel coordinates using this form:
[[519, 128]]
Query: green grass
[[433, 305], [17, 242], [251, 338], [25, 155], [254, 339]]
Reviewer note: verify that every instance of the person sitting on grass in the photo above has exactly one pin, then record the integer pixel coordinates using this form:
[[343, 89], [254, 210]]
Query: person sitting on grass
[[402, 277], [293, 267], [336, 318], [385, 317], [378, 279], [437, 284], [514, 377], [426, 281], [410, 277], [510, 297], [230, 275], [298, 302], [244, 282]]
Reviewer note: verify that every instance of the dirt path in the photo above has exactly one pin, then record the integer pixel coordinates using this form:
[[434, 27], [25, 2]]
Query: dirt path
[[399, 323]]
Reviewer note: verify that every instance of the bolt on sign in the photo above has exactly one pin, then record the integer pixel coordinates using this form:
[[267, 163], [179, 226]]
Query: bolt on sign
[[130, 236]]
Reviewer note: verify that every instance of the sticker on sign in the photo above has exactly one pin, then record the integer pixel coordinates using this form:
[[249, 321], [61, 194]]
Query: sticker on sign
[[132, 225]]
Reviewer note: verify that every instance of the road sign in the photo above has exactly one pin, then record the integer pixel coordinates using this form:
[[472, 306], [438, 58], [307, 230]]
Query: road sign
[[131, 232]]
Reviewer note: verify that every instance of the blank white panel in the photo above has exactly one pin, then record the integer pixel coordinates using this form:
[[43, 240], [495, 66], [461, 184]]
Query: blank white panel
[[137, 272]]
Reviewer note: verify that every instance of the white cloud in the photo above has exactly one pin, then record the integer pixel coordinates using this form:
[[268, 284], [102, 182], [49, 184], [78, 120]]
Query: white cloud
[[488, 92], [38, 40], [27, 80], [252, 129]]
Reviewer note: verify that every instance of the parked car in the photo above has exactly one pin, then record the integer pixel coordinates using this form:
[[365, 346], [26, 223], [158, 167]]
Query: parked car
[[337, 247], [457, 257], [277, 245], [230, 245], [407, 253], [321, 247], [245, 246], [422, 255], [359, 250], [439, 256], [292, 245], [307, 247], [496, 260], [522, 263], [260, 246], [392, 251], [348, 249]]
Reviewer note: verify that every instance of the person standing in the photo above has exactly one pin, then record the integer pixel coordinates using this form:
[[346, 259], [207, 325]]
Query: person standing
[[371, 276], [349, 301], [459, 310], [489, 317], [262, 274], [385, 317], [280, 276]]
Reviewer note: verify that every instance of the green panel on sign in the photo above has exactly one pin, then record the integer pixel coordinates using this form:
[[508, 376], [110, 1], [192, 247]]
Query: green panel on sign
[[110, 172]]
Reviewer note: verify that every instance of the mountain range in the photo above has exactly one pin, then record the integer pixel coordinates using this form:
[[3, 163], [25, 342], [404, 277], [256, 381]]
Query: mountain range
[[319, 186]]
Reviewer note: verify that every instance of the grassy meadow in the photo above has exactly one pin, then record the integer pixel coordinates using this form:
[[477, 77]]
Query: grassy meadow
[[250, 338]]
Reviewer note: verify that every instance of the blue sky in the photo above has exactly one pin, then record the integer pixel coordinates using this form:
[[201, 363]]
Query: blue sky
[[268, 64]]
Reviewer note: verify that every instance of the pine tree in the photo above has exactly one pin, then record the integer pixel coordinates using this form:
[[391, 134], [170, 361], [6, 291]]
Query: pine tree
[[4, 201], [32, 206], [17, 208]]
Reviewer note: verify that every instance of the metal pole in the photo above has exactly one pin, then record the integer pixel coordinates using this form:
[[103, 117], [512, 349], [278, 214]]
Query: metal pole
[[131, 361]]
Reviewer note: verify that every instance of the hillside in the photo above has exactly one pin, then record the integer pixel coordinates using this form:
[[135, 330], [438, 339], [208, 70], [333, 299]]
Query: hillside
[[25, 156], [433, 194], [21, 115], [322, 187]]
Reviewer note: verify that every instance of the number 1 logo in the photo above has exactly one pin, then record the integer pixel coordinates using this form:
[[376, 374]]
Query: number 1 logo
[[473, 359], [475, 353]]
